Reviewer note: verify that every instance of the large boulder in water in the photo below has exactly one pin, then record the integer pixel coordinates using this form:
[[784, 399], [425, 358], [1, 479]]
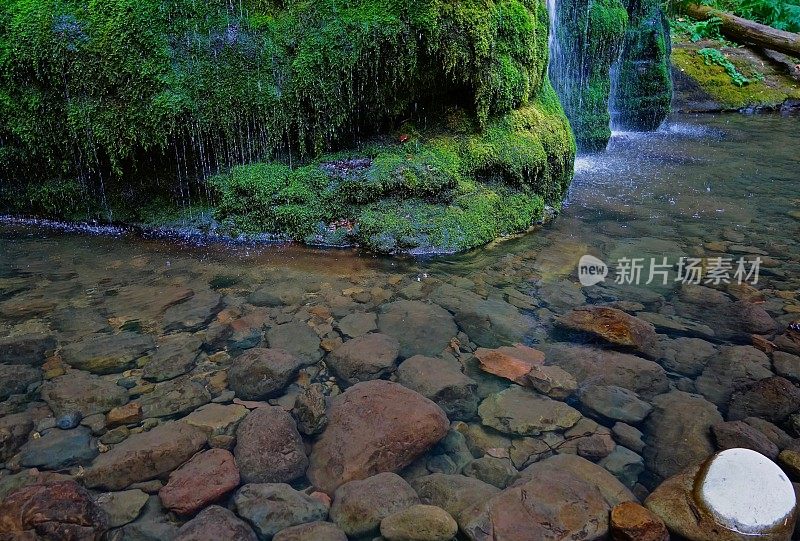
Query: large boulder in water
[[373, 427], [421, 328], [145, 456]]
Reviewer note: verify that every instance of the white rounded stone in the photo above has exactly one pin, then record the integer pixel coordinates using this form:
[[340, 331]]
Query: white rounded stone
[[746, 491]]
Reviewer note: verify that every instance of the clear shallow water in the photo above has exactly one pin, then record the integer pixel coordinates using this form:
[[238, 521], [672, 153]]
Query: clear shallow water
[[707, 186]]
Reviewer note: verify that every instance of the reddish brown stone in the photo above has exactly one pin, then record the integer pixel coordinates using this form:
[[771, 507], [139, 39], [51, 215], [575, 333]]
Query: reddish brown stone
[[632, 522], [513, 363], [124, 415], [373, 427], [204, 479], [611, 325], [60, 510]]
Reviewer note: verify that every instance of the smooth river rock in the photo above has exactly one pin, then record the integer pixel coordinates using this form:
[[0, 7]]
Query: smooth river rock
[[359, 506], [272, 507], [80, 391], [443, 382], [678, 432], [107, 353], [367, 357], [421, 328], [269, 448], [526, 413], [262, 373], [145, 456], [735, 495], [373, 427], [215, 523], [57, 510], [539, 496], [419, 523], [206, 478], [612, 325]]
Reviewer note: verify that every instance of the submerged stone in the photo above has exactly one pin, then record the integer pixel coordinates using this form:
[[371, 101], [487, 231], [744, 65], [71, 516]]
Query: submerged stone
[[735, 495]]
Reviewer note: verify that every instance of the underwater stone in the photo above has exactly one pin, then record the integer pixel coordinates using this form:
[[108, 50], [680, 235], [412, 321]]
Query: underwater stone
[[69, 420]]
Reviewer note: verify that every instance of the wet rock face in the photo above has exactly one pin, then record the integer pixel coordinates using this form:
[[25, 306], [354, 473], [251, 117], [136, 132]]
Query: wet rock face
[[443, 382], [734, 367], [632, 522], [57, 449], [261, 373], [419, 522], [204, 479], [614, 403], [738, 434], [145, 456], [174, 357], [526, 413], [312, 531], [420, 328], [456, 494], [772, 399], [540, 497], [612, 325], [490, 323], [78, 391], [298, 339], [107, 353], [14, 431], [373, 427], [57, 510], [15, 379], [194, 313], [29, 349], [272, 507], [604, 367], [269, 448]]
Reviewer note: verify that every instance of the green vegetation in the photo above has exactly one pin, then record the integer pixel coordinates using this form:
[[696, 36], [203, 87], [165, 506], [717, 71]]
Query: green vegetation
[[443, 189], [768, 87], [643, 91], [696, 30], [141, 100], [780, 14], [590, 36], [715, 56]]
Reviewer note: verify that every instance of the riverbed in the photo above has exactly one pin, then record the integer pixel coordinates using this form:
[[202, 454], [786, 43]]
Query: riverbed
[[695, 226]]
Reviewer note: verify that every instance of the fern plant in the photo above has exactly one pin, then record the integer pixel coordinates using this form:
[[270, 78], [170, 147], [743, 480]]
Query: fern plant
[[716, 57]]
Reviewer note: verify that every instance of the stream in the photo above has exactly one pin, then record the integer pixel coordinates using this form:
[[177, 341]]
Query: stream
[[108, 318]]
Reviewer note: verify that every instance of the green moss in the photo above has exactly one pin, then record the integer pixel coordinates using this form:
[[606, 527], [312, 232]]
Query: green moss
[[589, 39], [643, 88], [146, 100], [769, 92], [440, 191]]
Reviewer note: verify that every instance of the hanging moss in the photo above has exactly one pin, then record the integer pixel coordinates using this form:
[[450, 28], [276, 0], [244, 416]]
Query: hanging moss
[[440, 191], [643, 89], [589, 36], [143, 98]]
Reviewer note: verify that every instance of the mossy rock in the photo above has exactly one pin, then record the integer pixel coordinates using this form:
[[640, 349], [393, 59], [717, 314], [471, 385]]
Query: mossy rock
[[643, 87], [442, 190], [770, 87], [396, 124], [587, 40]]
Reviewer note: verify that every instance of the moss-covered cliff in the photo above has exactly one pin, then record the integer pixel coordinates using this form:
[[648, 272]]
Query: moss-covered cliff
[[643, 84], [116, 100], [588, 35]]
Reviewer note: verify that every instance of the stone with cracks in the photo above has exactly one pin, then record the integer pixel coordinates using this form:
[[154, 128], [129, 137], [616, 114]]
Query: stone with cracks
[[526, 413], [269, 448]]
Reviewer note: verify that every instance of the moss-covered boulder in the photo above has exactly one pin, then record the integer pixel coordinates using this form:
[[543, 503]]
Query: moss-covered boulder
[[588, 35], [643, 84], [399, 124]]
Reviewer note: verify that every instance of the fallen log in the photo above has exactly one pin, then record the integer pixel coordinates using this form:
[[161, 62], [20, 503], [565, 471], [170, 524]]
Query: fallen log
[[745, 31]]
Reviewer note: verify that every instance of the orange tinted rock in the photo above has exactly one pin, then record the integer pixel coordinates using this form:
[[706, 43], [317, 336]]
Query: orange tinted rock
[[611, 325], [513, 363], [203, 480], [124, 415], [632, 522]]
